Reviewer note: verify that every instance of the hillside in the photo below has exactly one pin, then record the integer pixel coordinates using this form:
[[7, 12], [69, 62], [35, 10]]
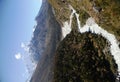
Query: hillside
[[105, 12], [84, 58]]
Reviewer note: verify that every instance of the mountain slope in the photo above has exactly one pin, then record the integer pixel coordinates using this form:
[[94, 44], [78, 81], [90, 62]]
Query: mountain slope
[[43, 72], [84, 58], [105, 12]]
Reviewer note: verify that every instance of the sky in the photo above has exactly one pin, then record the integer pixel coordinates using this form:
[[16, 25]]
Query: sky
[[17, 18]]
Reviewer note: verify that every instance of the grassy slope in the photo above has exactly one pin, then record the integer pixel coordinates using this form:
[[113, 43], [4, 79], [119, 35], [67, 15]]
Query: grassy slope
[[108, 18]]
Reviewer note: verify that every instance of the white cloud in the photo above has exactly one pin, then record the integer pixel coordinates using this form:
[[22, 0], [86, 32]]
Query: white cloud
[[22, 45], [18, 56], [25, 47]]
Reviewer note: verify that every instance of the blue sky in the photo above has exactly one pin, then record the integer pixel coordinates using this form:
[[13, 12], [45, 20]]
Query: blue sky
[[16, 24]]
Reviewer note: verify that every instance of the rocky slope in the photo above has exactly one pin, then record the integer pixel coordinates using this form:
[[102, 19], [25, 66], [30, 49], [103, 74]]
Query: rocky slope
[[105, 12]]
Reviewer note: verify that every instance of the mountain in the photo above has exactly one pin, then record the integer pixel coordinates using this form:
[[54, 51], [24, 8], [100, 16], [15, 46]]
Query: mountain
[[47, 35], [68, 47], [42, 35]]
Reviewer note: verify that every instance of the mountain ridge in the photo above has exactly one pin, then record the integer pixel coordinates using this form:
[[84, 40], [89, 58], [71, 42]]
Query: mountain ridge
[[48, 37]]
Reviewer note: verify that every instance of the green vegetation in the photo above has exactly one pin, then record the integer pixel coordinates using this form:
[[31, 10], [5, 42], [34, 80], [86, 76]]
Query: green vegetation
[[84, 58]]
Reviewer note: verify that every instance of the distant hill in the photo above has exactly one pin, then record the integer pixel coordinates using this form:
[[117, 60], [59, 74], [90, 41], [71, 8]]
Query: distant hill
[[47, 36]]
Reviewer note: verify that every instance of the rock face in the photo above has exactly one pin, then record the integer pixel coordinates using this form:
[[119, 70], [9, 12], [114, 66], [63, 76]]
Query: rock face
[[84, 58], [105, 12], [47, 34]]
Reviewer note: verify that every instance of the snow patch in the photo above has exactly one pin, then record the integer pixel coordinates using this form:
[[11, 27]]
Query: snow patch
[[66, 29], [114, 48], [91, 25]]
